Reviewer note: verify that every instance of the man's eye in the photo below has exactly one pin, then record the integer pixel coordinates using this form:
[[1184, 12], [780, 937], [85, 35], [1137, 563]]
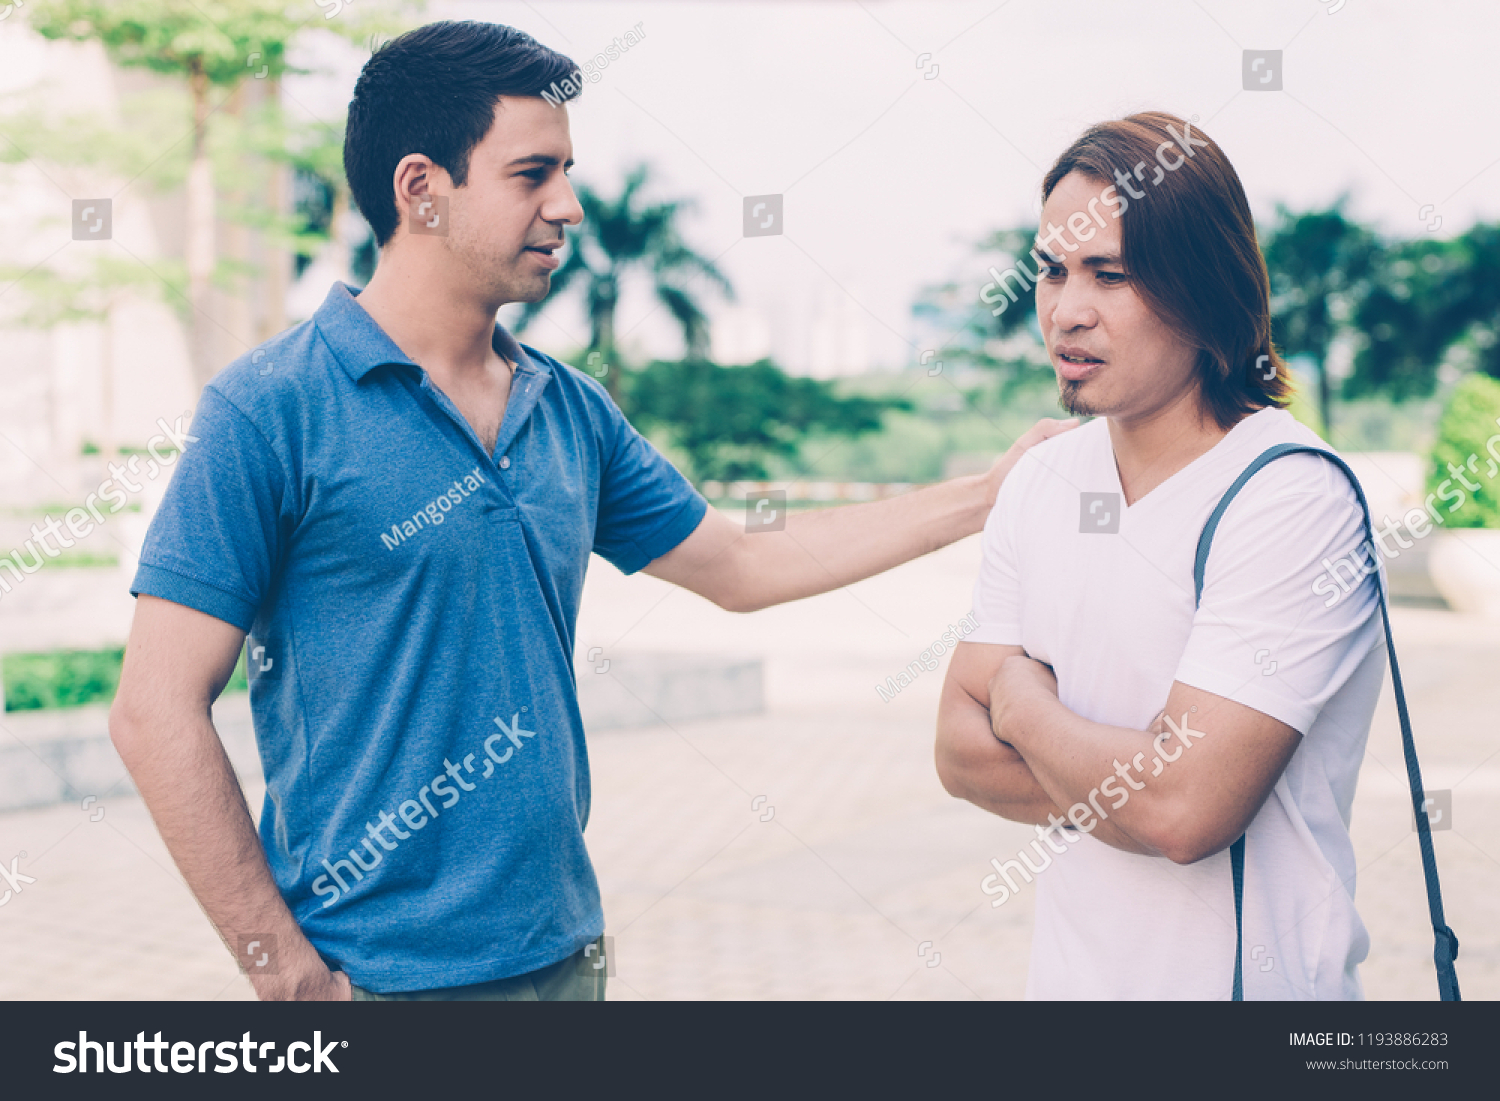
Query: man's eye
[[1112, 278], [537, 174], [1053, 271]]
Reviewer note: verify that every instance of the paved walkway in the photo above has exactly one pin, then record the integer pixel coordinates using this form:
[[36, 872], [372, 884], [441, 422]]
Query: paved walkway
[[833, 885]]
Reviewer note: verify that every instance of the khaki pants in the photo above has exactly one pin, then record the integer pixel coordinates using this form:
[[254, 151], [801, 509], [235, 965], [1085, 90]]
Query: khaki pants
[[575, 979]]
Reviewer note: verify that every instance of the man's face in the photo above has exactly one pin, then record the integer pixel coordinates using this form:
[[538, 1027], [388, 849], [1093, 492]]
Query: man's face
[[1113, 356], [506, 222]]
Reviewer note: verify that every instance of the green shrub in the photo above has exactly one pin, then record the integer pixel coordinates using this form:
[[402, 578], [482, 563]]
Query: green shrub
[[727, 422], [1468, 440], [61, 678], [72, 678]]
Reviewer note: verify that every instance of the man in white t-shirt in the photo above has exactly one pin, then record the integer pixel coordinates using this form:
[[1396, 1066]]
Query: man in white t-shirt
[[1141, 734]]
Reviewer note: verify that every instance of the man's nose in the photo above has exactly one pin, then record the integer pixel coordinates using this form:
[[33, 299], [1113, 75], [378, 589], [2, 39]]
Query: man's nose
[[1073, 309], [564, 209]]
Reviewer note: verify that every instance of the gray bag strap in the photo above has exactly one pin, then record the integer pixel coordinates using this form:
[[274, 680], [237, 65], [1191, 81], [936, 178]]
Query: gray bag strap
[[1445, 950]]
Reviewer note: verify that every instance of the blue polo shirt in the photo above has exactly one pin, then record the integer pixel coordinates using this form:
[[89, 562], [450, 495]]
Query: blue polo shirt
[[410, 602]]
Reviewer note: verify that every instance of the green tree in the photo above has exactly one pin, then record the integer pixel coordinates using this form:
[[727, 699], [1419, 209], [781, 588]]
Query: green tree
[[89, 294], [622, 237], [77, 150], [1430, 297], [728, 420], [313, 153], [82, 150], [1321, 265], [210, 45]]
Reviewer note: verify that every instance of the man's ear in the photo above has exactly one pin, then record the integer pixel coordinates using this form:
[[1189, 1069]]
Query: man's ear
[[413, 178]]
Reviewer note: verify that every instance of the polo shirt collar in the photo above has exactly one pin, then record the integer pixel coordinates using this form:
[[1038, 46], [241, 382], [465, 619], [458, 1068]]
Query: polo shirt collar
[[360, 345]]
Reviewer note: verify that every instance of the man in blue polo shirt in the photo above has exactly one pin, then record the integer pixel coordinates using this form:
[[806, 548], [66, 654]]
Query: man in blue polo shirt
[[392, 507]]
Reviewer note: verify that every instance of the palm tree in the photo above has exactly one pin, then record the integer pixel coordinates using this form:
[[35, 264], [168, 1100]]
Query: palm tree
[[619, 238]]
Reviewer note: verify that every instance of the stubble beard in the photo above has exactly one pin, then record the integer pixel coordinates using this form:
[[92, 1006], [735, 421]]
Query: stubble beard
[[504, 282]]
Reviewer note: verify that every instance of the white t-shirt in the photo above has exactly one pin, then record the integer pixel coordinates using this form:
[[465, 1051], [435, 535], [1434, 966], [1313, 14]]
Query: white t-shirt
[[1112, 612]]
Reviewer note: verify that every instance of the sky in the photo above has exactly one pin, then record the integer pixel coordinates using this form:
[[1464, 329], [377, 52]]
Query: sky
[[899, 134]]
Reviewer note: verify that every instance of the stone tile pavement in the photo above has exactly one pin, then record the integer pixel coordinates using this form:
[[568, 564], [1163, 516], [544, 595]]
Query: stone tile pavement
[[808, 852]]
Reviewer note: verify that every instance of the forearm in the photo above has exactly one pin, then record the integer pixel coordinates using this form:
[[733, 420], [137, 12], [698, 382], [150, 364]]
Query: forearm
[[974, 765], [180, 768], [830, 548], [1000, 782], [743, 571], [1114, 773]]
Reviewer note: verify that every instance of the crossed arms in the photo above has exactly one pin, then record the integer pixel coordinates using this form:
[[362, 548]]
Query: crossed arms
[[1006, 743]]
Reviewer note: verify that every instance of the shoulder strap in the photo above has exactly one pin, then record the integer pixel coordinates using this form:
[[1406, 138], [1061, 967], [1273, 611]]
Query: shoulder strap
[[1445, 950]]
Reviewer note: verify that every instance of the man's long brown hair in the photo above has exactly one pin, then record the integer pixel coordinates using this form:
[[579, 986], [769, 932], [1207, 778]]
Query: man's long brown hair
[[1190, 251]]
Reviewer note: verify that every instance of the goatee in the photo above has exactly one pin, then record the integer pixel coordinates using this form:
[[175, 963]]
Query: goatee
[[1070, 397]]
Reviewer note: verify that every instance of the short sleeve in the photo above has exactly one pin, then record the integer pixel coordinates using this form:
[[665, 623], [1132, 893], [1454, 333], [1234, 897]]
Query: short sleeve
[[1290, 605], [646, 506], [223, 522], [997, 590]]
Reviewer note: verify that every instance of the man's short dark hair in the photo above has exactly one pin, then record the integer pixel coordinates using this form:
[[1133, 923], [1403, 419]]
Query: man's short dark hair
[[433, 91]]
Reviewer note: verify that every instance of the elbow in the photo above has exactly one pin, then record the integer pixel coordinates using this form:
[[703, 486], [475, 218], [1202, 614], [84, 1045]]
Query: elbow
[[738, 603], [950, 774], [952, 783], [1188, 851], [735, 583], [735, 589], [123, 726], [1187, 839], [130, 725]]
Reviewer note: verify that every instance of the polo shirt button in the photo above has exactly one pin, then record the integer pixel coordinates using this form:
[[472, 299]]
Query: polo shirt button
[[504, 462]]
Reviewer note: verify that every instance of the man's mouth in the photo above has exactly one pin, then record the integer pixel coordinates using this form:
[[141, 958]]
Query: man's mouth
[[1076, 364], [547, 253]]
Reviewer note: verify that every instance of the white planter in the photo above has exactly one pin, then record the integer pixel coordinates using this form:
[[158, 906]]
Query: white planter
[[1465, 567]]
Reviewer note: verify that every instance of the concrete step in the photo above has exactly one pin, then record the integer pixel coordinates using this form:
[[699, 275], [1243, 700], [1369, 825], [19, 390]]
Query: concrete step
[[646, 689], [50, 757]]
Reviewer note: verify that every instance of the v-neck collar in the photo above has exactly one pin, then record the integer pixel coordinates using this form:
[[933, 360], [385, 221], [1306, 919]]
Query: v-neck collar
[[1175, 476]]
